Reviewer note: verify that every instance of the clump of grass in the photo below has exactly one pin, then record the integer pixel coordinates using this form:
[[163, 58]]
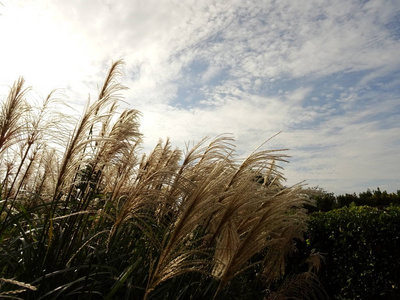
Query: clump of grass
[[83, 213]]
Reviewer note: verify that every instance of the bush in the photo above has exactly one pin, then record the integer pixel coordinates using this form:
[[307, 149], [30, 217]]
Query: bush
[[362, 251]]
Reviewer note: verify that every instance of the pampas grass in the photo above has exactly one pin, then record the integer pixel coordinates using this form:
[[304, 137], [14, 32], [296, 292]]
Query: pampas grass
[[84, 214]]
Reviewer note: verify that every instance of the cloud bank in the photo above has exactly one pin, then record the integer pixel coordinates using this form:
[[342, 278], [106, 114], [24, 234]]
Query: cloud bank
[[325, 73]]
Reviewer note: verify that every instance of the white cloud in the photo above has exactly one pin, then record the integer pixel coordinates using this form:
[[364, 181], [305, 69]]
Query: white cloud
[[263, 63]]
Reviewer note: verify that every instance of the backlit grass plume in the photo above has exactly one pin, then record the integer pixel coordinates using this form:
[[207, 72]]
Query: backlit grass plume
[[85, 214]]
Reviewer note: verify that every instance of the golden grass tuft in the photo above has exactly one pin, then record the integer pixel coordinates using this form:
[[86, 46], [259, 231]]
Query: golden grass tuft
[[98, 209]]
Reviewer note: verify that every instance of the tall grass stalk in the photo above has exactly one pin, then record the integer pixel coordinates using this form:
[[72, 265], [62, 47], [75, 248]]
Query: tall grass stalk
[[97, 219]]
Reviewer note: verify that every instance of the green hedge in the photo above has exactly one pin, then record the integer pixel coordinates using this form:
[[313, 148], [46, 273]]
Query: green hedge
[[361, 246]]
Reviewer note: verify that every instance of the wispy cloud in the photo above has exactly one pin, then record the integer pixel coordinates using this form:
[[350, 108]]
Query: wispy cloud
[[324, 72]]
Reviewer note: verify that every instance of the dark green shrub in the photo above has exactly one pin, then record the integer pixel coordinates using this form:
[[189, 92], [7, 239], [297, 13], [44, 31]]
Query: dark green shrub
[[361, 246], [346, 200], [321, 199]]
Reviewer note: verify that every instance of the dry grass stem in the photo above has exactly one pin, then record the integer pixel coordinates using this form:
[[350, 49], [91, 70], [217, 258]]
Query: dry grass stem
[[83, 213]]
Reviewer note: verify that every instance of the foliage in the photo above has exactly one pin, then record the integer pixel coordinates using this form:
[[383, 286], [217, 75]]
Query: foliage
[[325, 201], [84, 215], [322, 200], [361, 246]]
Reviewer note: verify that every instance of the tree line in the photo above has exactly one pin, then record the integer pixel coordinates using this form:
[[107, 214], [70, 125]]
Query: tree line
[[326, 201]]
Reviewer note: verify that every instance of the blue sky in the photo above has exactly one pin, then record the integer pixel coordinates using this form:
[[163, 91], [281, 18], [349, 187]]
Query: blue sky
[[325, 73]]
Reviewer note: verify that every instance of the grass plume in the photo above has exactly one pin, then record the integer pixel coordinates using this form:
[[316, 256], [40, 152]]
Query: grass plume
[[97, 219]]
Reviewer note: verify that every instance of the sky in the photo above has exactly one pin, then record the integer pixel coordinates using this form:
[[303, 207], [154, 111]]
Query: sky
[[326, 74]]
